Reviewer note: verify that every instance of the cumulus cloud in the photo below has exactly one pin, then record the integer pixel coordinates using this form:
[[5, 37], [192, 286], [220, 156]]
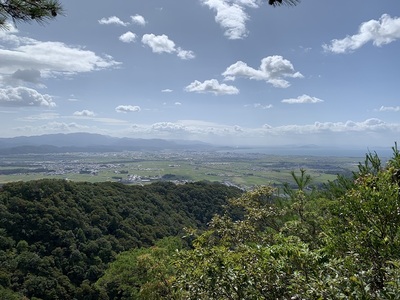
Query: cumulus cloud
[[23, 96], [212, 86], [112, 20], [379, 32], [178, 103], [185, 54], [162, 44], [166, 91], [138, 19], [231, 15], [84, 113], [343, 133], [390, 108], [273, 70], [26, 59], [372, 124], [302, 99], [368, 133], [128, 37], [127, 108], [159, 43], [167, 126]]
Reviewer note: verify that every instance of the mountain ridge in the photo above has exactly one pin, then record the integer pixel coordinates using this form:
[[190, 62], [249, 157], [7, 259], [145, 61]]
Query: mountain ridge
[[90, 142]]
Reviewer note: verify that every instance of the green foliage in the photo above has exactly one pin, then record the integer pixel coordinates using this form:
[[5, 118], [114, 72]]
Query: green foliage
[[283, 2], [63, 240], [26, 11], [145, 273], [58, 237], [338, 243], [366, 224]]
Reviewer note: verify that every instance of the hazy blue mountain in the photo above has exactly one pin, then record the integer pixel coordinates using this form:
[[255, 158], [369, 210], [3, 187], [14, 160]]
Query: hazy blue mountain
[[87, 142]]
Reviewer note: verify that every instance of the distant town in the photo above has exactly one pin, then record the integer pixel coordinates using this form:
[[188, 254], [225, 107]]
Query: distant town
[[243, 170]]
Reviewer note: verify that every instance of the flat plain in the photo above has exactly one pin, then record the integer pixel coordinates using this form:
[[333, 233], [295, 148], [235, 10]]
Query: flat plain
[[134, 167]]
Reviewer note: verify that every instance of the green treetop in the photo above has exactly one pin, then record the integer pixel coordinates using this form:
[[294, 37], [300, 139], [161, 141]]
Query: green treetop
[[28, 10]]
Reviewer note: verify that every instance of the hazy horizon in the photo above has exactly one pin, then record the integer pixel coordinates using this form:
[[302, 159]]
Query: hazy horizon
[[227, 72]]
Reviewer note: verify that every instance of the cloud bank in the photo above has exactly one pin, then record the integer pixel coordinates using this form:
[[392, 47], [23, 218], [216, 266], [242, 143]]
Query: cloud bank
[[24, 97], [273, 70], [380, 32]]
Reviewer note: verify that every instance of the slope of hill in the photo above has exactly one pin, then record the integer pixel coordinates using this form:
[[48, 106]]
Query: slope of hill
[[57, 237]]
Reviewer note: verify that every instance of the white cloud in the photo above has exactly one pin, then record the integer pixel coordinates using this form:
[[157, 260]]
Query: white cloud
[[368, 133], [211, 86], [379, 32], [128, 37], [167, 91], [167, 127], [23, 96], [322, 133], [162, 44], [112, 20], [302, 99], [231, 15], [28, 58], [159, 43], [84, 113], [260, 106], [178, 103], [273, 69], [138, 19], [127, 108], [185, 54], [389, 108]]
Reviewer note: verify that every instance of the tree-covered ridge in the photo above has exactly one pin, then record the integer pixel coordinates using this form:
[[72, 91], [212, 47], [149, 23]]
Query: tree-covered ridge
[[339, 242], [57, 237]]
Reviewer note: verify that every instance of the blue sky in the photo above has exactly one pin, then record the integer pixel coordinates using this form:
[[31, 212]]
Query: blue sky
[[230, 72]]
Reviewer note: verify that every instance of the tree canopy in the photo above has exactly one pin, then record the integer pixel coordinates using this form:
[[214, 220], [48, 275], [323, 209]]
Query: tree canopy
[[66, 240], [57, 237], [338, 242], [28, 10], [283, 2]]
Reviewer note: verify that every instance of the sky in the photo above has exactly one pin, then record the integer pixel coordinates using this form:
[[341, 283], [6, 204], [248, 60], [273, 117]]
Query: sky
[[227, 72]]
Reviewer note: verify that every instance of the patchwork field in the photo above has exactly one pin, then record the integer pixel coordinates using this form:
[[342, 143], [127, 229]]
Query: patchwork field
[[242, 169]]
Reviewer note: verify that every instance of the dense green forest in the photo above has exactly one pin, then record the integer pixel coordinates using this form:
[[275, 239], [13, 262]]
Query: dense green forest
[[57, 237], [65, 240]]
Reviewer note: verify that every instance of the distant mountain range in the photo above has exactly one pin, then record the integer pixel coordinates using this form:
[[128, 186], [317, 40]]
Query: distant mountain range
[[87, 142]]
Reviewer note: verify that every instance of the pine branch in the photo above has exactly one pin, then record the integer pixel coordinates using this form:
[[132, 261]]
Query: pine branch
[[29, 10], [283, 2]]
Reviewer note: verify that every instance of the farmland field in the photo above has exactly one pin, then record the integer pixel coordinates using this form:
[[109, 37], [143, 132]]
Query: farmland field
[[242, 169]]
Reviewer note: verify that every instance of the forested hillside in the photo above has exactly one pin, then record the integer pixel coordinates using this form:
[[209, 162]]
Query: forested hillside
[[66, 240], [57, 237], [339, 242]]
